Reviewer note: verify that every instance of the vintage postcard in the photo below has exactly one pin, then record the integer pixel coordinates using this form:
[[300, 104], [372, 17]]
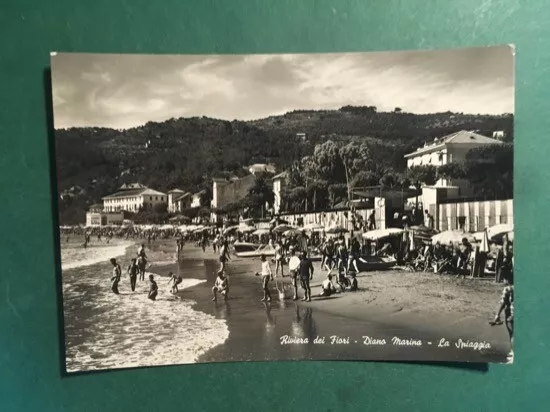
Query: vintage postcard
[[354, 206]]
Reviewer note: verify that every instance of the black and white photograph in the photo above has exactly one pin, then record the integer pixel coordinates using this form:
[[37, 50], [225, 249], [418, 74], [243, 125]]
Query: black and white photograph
[[265, 207]]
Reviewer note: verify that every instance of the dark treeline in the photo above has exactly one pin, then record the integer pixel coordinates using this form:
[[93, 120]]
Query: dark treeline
[[187, 152]]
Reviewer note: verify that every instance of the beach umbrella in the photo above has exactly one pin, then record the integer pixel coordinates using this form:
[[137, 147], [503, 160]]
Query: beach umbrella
[[247, 221], [282, 228], [484, 247], [336, 229], [451, 236], [499, 230], [292, 232], [261, 232], [382, 233], [230, 229]]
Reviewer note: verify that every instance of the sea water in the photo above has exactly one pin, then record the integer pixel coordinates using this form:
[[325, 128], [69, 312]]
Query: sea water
[[107, 331]]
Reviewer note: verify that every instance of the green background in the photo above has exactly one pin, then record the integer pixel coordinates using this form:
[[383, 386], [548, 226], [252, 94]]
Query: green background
[[30, 357]]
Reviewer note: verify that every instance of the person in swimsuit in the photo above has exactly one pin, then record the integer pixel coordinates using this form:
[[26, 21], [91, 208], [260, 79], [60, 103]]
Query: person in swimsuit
[[133, 272], [327, 288], [115, 279], [266, 276], [506, 304], [142, 263], [175, 280], [329, 255], [306, 274], [355, 254], [153, 288], [279, 258], [224, 255], [221, 285], [293, 266]]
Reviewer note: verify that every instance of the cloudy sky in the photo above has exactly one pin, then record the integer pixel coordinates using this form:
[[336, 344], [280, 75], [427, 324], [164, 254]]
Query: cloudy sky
[[123, 91]]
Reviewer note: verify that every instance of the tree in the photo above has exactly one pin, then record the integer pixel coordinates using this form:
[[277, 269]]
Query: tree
[[419, 175], [389, 180], [451, 171], [490, 170], [296, 199], [355, 158], [337, 192], [397, 110], [294, 175], [328, 163], [259, 195], [205, 198], [364, 179], [317, 194]]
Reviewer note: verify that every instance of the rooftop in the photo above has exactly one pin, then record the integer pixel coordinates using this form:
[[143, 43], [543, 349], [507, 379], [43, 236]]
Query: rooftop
[[176, 191], [461, 137], [134, 192], [180, 196]]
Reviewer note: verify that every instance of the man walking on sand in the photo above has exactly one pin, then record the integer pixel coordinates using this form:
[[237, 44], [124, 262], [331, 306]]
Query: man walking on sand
[[293, 266], [306, 274]]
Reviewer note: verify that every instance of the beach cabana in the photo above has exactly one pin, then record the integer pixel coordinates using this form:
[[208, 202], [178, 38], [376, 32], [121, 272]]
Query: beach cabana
[[382, 233]]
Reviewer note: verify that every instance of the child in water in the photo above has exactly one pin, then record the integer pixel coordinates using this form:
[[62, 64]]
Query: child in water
[[153, 289], [175, 280], [117, 272], [221, 285]]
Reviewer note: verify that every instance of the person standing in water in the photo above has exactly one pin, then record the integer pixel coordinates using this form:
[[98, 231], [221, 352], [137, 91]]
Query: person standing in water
[[306, 274], [133, 272], [266, 276], [293, 266], [115, 279], [279, 258], [153, 288], [175, 280], [224, 254]]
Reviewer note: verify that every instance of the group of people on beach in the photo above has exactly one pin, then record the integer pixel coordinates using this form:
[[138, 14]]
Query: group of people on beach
[[135, 270]]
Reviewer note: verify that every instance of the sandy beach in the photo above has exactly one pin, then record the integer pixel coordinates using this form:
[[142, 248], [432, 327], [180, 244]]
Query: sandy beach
[[396, 315], [390, 304]]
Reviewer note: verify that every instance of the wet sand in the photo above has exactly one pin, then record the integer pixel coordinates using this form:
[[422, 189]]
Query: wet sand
[[390, 305]]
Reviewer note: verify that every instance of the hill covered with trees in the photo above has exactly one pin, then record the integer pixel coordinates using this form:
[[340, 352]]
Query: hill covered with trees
[[187, 152]]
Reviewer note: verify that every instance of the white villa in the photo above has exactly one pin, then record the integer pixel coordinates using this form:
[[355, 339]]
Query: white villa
[[448, 149], [132, 198]]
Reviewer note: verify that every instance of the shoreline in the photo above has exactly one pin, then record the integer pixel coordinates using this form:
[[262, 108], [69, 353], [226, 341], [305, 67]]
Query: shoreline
[[256, 329], [384, 308]]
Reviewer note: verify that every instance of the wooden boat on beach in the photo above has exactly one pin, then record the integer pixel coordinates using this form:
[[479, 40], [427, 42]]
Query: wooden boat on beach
[[246, 249], [368, 263]]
